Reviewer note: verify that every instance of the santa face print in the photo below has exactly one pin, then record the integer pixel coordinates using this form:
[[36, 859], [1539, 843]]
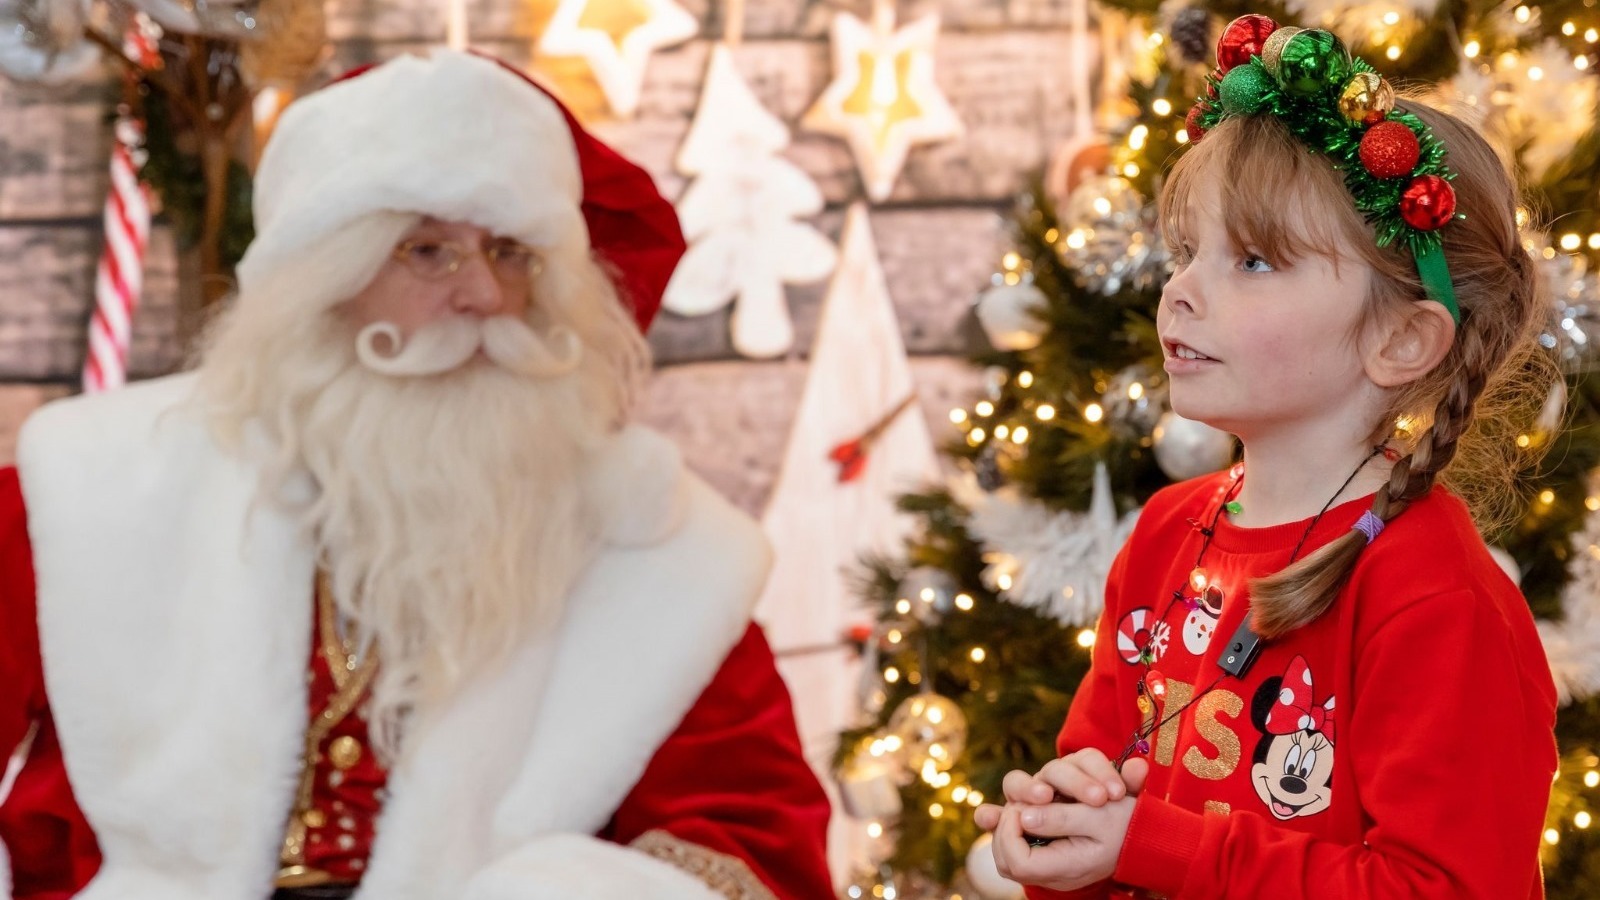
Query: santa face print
[[1201, 623], [1293, 770]]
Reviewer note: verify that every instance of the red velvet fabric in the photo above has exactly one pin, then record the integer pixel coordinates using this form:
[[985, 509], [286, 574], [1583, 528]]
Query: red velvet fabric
[[53, 851], [732, 778], [347, 799]]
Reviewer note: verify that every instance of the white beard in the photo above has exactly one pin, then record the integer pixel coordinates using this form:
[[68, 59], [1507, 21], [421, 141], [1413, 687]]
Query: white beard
[[450, 509], [450, 516]]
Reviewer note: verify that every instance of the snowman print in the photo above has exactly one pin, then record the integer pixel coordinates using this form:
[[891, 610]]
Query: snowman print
[[1201, 624]]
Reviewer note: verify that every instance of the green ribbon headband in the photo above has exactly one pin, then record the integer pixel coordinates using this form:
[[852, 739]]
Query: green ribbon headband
[[1336, 104]]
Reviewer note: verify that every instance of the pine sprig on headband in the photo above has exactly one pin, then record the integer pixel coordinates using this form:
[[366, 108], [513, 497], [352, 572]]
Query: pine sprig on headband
[[1338, 105]]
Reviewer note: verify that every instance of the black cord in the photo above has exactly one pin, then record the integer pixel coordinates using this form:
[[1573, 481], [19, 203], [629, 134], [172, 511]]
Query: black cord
[[1329, 505]]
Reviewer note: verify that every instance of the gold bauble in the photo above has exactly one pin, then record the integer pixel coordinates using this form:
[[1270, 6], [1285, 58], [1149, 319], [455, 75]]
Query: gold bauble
[[1272, 49], [344, 752], [1366, 99]]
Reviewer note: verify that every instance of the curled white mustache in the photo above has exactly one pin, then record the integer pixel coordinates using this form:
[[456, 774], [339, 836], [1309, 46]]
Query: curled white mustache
[[445, 345]]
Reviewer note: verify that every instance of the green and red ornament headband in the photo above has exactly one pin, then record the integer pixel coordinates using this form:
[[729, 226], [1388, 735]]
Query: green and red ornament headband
[[1340, 107]]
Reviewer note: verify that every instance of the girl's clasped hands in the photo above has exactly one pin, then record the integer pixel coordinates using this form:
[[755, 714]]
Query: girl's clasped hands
[[1063, 828]]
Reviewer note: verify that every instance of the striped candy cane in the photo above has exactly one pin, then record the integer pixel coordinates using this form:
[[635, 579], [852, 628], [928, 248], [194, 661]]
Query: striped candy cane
[[120, 276], [121, 272]]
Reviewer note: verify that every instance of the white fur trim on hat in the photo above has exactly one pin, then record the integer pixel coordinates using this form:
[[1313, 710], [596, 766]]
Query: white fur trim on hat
[[450, 135]]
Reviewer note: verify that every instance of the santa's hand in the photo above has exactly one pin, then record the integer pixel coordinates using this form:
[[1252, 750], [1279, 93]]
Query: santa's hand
[[1083, 842]]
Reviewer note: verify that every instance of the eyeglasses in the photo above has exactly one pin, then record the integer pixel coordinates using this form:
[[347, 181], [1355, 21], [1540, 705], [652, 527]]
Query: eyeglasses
[[433, 259]]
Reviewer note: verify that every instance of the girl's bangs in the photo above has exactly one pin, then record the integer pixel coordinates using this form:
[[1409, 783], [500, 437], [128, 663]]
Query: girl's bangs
[[1275, 197]]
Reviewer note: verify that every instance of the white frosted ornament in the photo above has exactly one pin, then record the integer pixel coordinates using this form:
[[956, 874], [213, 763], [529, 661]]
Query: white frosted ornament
[[985, 875], [210, 18], [1136, 397], [931, 592], [994, 382], [1009, 315], [869, 786], [1554, 411], [1186, 449], [1108, 237], [1508, 564], [42, 40], [872, 884], [931, 728]]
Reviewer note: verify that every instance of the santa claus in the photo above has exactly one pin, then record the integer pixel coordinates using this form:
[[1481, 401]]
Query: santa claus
[[387, 599]]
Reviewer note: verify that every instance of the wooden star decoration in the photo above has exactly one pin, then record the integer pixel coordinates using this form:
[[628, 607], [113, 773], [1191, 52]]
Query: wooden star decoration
[[616, 38], [883, 99]]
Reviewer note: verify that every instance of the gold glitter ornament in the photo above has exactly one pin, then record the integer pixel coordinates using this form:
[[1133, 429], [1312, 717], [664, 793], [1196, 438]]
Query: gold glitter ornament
[[1366, 99], [1272, 50]]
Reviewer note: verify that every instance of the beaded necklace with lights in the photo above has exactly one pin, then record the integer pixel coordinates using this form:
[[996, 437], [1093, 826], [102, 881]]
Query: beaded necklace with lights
[[1338, 106], [1237, 658]]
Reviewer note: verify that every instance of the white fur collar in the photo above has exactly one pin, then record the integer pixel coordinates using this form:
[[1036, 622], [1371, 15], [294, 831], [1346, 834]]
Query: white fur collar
[[174, 622]]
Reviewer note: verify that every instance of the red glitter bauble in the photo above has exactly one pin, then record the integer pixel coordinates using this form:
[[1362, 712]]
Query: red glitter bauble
[[1242, 39], [1428, 202], [1390, 150], [1191, 124]]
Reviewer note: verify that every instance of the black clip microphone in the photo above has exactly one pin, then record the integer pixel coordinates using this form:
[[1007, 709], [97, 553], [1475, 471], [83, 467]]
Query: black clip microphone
[[1242, 649]]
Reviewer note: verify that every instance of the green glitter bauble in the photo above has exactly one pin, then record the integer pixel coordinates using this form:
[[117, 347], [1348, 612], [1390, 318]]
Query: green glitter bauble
[[1244, 90], [1311, 61]]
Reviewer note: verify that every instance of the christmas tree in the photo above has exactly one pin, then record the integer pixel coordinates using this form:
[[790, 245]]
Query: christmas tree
[[985, 621]]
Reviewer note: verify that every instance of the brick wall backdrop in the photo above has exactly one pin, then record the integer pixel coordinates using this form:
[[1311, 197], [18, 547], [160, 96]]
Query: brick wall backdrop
[[1005, 66]]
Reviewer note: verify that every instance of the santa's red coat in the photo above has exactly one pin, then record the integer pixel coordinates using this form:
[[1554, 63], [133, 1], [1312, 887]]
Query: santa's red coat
[[730, 777]]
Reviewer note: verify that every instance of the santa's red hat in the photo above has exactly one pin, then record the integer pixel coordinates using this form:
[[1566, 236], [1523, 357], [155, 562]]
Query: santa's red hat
[[464, 138]]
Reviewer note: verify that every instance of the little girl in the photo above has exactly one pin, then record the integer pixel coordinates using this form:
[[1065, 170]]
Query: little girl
[[1370, 713]]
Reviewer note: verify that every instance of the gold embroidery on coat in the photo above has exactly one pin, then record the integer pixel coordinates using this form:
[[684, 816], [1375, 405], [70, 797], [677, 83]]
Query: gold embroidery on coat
[[727, 875]]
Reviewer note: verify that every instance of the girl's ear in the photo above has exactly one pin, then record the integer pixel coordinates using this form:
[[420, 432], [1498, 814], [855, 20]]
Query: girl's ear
[[1408, 345]]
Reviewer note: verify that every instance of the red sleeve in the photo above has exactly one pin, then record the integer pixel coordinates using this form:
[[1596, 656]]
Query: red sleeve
[[1096, 717], [53, 852], [1452, 751], [732, 778]]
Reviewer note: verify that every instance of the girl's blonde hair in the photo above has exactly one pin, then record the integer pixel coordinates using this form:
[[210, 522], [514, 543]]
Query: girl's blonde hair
[[1461, 421]]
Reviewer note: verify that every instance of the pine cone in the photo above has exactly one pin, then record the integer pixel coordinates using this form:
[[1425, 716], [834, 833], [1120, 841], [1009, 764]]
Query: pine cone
[[1191, 35], [987, 469]]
